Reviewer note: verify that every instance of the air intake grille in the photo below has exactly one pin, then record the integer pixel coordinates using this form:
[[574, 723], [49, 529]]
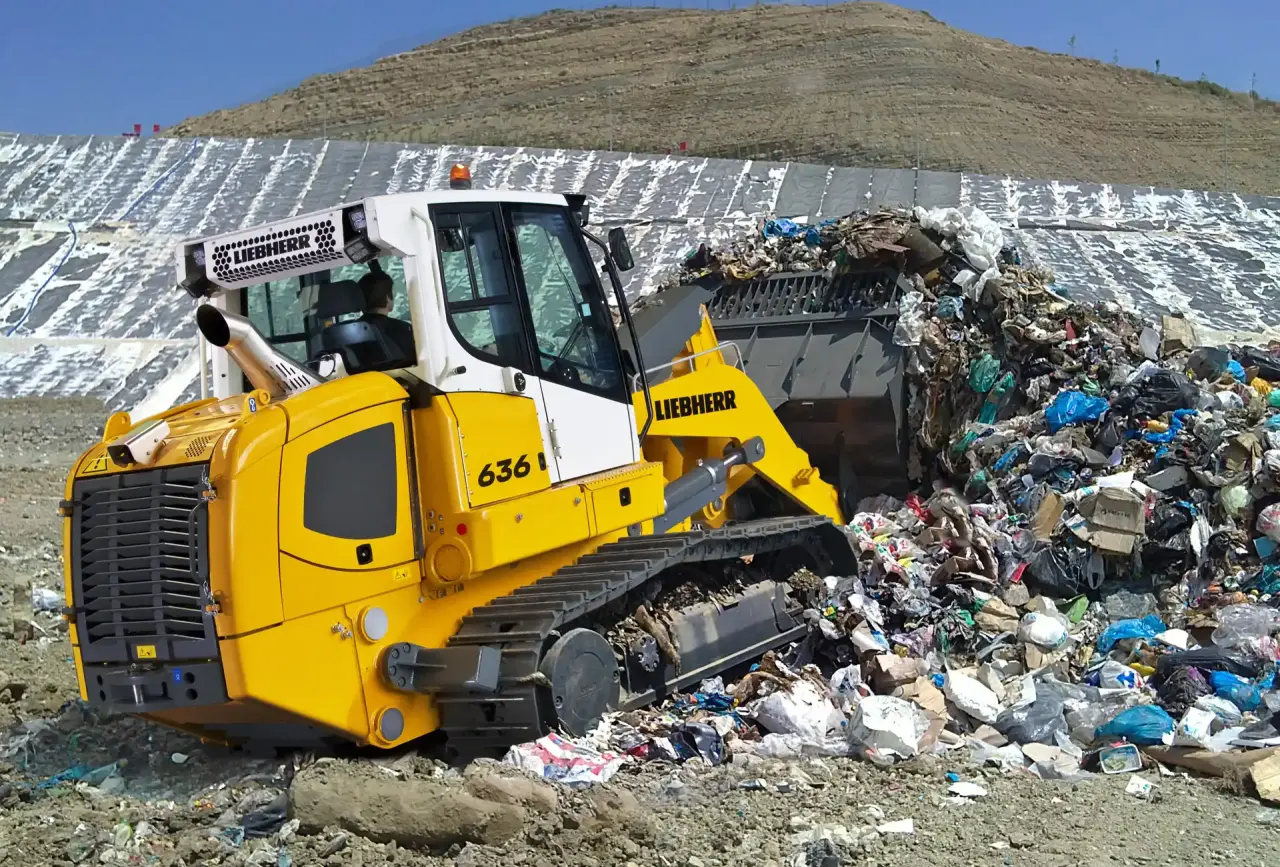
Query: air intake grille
[[197, 446], [139, 564], [282, 249]]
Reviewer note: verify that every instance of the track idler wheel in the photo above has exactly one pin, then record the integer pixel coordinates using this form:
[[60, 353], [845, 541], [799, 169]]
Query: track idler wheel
[[583, 673]]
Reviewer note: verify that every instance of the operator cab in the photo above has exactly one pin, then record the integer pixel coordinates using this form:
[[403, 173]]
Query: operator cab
[[358, 312], [454, 291]]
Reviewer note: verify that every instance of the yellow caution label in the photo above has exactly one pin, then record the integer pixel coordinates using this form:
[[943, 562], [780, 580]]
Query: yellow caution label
[[97, 465], [145, 651], [401, 574]]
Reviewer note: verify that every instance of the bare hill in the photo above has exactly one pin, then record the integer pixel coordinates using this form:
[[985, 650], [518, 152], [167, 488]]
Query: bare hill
[[859, 84]]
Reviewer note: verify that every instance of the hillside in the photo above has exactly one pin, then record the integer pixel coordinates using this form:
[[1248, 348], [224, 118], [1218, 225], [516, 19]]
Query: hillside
[[860, 84]]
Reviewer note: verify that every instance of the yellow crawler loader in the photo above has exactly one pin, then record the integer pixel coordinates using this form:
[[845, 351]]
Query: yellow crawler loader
[[435, 487]]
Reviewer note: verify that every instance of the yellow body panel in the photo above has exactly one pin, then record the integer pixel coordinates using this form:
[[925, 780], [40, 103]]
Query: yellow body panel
[[318, 406], [707, 404], [304, 543], [625, 497], [243, 530], [304, 667], [308, 588], [501, 443]]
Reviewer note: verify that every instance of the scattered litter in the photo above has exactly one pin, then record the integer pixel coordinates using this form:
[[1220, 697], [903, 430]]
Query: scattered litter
[[572, 763], [966, 790]]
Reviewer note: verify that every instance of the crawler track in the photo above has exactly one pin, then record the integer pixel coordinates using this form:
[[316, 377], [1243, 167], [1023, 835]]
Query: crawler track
[[522, 623]]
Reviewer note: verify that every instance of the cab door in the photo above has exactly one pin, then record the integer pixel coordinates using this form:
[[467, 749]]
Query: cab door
[[590, 421]]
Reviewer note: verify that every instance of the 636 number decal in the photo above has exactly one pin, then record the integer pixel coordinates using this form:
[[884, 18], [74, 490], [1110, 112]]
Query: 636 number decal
[[507, 470]]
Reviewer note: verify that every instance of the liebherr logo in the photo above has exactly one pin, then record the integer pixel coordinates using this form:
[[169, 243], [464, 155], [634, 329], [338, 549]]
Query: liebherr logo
[[694, 404], [275, 248]]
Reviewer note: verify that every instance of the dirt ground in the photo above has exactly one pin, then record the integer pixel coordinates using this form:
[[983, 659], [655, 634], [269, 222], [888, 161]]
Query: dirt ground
[[862, 84], [174, 801]]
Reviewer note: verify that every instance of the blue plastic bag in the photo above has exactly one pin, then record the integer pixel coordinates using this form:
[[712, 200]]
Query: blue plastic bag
[[1175, 427], [1073, 407], [1236, 690], [1145, 724], [1236, 369], [1148, 627]]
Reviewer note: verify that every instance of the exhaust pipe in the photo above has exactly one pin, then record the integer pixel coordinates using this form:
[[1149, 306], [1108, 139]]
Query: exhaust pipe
[[266, 368]]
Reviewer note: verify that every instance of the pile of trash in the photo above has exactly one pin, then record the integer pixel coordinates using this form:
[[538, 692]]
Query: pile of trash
[[1087, 577]]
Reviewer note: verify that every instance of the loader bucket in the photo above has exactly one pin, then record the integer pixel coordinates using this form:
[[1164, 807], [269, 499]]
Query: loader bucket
[[820, 348]]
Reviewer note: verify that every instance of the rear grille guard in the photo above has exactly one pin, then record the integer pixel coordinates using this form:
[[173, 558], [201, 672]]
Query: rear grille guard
[[140, 565]]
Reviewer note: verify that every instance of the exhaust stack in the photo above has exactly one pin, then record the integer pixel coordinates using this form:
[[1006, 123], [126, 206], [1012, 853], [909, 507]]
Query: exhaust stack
[[266, 368]]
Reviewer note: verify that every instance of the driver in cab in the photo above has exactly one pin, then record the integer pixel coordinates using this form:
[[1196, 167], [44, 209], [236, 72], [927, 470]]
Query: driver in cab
[[379, 300]]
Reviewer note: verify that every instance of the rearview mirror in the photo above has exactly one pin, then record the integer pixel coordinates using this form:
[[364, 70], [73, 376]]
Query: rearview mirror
[[620, 249]]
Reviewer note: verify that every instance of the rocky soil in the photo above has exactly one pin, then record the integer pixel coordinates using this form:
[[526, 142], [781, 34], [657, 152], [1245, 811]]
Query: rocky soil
[[78, 788], [863, 84]]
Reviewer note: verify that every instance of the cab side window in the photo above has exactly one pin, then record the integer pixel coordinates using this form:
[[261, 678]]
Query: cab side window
[[481, 305], [572, 324]]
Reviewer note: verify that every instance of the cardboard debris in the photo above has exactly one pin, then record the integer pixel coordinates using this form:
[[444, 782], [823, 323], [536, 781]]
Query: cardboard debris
[[1179, 335], [1047, 516], [1266, 778], [1208, 762], [889, 671]]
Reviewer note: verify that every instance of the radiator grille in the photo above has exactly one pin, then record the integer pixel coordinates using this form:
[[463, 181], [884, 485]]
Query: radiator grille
[[139, 565]]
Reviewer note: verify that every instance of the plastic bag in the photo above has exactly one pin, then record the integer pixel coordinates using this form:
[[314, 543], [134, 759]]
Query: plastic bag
[[1245, 622], [793, 746], [1144, 725], [698, 739], [1156, 393], [1043, 630], [798, 710], [572, 763], [1268, 522], [1149, 343], [888, 726], [1073, 407], [1062, 572], [1038, 722], [1166, 520], [1222, 708], [1115, 675], [1193, 729], [982, 373], [1209, 363], [972, 697], [1148, 627], [1207, 659], [1234, 499], [910, 327], [1236, 690]]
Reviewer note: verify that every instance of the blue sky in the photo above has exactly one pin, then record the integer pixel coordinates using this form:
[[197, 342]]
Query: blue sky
[[98, 66]]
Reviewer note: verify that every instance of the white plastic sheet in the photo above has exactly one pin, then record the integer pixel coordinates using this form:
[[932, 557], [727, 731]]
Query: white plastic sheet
[[978, 235], [801, 710], [887, 725]]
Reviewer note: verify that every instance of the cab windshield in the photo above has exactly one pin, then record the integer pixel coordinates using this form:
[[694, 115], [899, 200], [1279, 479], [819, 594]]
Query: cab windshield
[[360, 312]]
